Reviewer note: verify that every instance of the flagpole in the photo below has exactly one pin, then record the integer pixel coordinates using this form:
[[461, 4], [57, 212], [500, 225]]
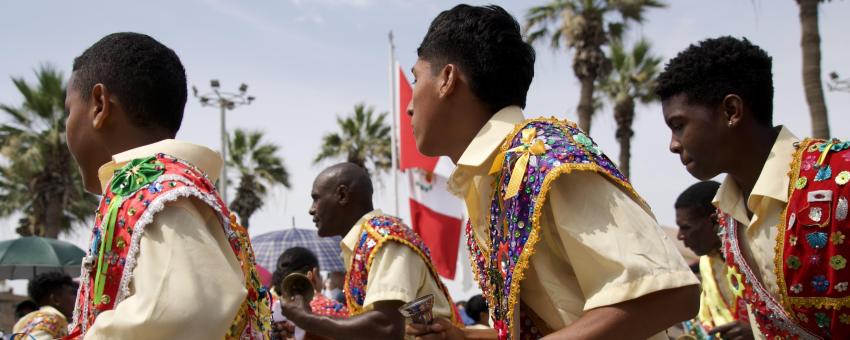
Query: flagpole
[[394, 112]]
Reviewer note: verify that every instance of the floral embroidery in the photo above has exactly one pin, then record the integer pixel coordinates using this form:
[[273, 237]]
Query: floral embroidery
[[820, 283], [841, 286], [793, 262], [837, 238], [797, 288], [844, 318], [842, 178], [838, 262]]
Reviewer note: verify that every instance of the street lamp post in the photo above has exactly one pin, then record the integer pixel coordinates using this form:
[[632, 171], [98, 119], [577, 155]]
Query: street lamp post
[[223, 101]]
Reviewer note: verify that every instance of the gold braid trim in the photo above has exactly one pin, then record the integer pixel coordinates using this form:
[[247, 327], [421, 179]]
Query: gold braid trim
[[381, 240], [540, 200]]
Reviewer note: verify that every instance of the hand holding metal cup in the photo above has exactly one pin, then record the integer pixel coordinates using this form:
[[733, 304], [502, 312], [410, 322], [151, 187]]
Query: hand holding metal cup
[[419, 310], [297, 284]]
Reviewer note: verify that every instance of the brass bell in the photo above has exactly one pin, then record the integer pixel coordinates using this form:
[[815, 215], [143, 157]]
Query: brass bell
[[297, 284]]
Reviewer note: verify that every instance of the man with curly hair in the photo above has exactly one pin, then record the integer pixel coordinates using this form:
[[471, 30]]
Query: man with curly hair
[[783, 203], [54, 293]]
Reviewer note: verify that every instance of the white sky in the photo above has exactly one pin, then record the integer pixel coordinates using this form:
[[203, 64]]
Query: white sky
[[307, 61]]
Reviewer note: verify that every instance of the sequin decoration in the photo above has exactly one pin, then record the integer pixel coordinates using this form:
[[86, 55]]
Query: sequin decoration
[[820, 283], [824, 173], [816, 239], [801, 183], [816, 214], [841, 209], [791, 221]]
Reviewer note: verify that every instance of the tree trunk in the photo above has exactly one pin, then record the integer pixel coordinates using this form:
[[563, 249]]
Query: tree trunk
[[53, 218], [585, 104], [624, 114], [812, 84]]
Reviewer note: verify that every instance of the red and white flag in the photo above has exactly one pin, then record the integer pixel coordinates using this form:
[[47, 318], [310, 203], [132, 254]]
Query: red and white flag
[[435, 214]]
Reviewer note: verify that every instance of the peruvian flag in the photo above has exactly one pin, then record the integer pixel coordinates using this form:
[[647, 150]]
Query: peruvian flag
[[435, 214]]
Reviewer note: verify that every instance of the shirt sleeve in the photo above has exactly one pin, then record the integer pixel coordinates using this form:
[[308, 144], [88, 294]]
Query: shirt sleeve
[[396, 273], [187, 283], [616, 248]]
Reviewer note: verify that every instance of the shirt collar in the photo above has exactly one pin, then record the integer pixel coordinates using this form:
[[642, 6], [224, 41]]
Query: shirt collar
[[772, 182], [209, 161], [489, 138], [349, 242]]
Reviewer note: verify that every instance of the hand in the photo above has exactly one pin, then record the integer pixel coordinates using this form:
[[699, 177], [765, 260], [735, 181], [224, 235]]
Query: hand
[[734, 330], [441, 329], [283, 330], [294, 307]]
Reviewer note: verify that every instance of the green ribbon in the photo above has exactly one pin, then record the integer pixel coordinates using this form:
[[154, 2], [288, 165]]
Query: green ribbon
[[125, 182]]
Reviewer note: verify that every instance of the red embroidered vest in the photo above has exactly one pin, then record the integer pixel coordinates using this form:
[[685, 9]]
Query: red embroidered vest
[[376, 232], [810, 259], [136, 193]]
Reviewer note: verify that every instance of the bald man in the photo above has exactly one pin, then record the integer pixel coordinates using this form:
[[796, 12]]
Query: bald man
[[387, 262]]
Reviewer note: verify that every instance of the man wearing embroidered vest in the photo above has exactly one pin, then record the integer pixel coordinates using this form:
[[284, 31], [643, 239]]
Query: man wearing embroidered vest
[[722, 311], [783, 203], [388, 265], [166, 260], [54, 292], [564, 246]]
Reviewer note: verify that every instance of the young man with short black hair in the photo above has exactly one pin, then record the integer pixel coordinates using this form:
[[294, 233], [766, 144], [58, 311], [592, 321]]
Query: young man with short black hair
[[563, 246]]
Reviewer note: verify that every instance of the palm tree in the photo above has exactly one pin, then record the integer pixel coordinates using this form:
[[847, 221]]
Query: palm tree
[[585, 26], [364, 138], [812, 85], [38, 176], [258, 167], [633, 79]]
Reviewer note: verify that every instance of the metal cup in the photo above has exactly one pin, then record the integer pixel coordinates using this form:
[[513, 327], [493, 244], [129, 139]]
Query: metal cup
[[419, 310]]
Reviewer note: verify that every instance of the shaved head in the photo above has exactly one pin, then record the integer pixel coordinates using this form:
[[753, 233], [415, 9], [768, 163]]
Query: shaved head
[[342, 194]]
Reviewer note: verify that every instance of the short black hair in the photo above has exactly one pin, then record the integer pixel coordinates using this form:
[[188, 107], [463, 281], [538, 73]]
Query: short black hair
[[486, 43], [24, 307], [708, 71], [40, 287], [698, 198], [293, 260], [144, 74], [475, 306]]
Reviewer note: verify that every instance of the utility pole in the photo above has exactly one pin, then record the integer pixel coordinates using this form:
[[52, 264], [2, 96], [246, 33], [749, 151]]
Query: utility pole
[[223, 101]]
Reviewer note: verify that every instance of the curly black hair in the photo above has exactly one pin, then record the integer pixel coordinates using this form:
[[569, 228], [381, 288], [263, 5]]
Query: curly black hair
[[698, 197], [144, 74], [485, 42], [40, 287], [293, 260], [708, 71]]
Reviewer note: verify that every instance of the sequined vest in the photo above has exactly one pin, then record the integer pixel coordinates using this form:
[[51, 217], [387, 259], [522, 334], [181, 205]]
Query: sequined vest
[[536, 153], [136, 193], [375, 233]]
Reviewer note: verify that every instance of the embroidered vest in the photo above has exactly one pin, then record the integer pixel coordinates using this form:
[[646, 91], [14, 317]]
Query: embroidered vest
[[376, 232], [50, 323], [536, 153], [136, 193], [811, 252]]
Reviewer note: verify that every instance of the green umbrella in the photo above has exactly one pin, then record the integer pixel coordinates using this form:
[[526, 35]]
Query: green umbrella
[[26, 257]]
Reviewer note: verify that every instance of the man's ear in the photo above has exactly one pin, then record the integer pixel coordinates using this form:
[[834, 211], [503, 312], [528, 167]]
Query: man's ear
[[101, 99], [343, 195], [448, 80], [733, 109]]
